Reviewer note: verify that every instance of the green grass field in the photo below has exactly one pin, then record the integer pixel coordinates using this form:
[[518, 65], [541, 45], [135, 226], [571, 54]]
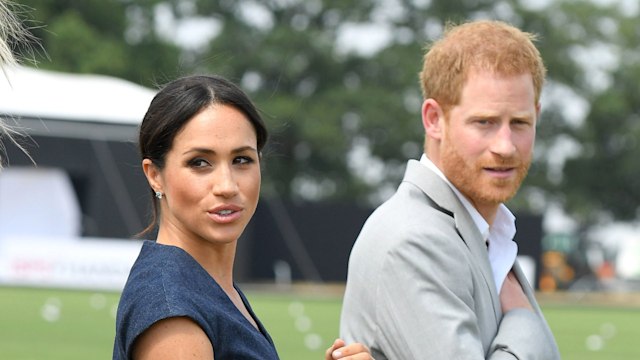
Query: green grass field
[[59, 324]]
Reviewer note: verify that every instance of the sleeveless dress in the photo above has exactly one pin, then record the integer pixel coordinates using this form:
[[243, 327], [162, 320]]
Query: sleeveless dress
[[165, 281]]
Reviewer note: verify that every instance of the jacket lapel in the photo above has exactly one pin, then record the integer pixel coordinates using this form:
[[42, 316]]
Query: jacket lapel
[[443, 196]]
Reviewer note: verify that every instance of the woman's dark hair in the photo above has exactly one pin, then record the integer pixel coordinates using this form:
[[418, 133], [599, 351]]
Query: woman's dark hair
[[179, 101]]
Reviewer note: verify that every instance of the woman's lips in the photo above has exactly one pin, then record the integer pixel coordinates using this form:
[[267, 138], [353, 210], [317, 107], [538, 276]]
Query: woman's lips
[[224, 214]]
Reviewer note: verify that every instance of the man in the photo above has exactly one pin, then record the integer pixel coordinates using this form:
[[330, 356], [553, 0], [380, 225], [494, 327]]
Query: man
[[433, 274]]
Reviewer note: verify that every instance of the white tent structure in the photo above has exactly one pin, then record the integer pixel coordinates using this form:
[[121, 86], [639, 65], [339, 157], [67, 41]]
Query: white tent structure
[[63, 221], [85, 125], [43, 99], [41, 93]]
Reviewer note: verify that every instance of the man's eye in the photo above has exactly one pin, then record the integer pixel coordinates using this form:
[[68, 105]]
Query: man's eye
[[521, 122]]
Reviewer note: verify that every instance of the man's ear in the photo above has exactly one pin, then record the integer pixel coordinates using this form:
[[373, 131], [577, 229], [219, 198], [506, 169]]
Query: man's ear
[[432, 119], [153, 175]]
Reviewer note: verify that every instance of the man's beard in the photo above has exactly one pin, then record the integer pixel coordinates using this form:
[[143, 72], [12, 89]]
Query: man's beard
[[471, 180]]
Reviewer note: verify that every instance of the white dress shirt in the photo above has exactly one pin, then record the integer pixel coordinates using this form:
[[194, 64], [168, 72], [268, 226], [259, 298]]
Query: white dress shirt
[[499, 237]]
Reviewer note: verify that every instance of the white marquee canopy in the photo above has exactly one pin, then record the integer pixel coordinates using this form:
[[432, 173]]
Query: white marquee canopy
[[43, 94]]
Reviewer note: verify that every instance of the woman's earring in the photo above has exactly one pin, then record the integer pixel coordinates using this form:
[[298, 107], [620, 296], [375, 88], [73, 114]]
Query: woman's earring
[[158, 195]]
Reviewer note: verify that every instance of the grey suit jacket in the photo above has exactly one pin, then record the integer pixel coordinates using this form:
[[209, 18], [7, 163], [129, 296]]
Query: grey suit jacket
[[420, 285]]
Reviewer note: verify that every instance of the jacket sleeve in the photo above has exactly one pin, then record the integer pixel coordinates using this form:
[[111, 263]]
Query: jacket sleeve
[[523, 335]]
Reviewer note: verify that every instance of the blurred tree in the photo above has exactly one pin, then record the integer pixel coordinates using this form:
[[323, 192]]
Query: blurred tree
[[345, 111], [591, 131]]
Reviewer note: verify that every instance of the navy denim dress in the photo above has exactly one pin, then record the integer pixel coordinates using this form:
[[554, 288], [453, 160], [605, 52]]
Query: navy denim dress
[[165, 281]]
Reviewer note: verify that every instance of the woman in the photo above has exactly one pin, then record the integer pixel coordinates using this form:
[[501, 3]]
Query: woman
[[200, 141]]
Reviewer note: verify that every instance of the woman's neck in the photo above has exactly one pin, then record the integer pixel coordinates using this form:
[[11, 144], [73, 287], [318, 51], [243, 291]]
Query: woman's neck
[[216, 259]]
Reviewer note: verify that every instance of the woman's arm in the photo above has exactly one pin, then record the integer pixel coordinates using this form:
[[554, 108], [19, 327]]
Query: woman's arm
[[174, 338]]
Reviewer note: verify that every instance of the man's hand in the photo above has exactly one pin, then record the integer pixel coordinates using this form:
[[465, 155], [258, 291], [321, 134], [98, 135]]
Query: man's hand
[[512, 296]]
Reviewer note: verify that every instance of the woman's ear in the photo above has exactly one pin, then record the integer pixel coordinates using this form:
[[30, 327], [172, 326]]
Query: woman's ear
[[432, 119], [153, 175]]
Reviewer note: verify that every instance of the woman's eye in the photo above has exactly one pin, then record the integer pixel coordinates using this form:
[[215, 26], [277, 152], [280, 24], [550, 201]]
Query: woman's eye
[[198, 163], [242, 160]]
